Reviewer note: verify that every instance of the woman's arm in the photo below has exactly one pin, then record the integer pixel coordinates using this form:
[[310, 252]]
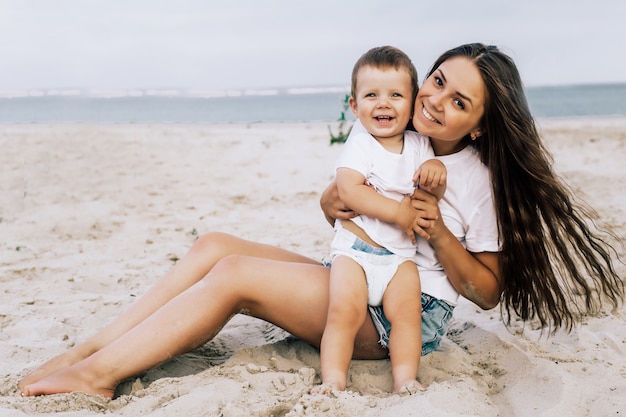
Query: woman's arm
[[476, 276]]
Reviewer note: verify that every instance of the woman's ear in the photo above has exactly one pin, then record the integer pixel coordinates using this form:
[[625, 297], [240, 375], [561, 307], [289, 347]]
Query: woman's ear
[[475, 134]]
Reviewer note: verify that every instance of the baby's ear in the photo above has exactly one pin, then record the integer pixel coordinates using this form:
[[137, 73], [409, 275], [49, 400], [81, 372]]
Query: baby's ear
[[353, 105]]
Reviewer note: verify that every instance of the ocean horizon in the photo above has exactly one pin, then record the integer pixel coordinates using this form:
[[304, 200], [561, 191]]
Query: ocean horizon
[[295, 104]]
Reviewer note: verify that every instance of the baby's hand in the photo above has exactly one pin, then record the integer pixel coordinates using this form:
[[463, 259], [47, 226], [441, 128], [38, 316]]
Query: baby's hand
[[431, 177], [407, 217]]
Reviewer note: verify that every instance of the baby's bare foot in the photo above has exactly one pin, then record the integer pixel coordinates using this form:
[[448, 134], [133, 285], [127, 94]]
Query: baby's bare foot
[[325, 388], [411, 388]]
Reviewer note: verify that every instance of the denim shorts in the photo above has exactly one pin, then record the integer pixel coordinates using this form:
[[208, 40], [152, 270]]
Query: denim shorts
[[435, 317], [436, 313]]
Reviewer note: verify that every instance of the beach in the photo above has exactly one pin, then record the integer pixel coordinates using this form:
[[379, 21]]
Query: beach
[[92, 214]]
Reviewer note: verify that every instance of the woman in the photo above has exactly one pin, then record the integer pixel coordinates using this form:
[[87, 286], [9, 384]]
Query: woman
[[549, 265]]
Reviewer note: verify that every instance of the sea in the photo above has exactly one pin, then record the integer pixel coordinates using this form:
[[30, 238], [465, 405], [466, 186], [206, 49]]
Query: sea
[[298, 104]]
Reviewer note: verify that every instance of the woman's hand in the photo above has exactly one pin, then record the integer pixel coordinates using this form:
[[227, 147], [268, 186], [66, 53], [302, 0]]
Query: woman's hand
[[333, 207]]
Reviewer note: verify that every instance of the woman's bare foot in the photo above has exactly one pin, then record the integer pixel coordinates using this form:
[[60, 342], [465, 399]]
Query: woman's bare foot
[[326, 388], [55, 364], [70, 379], [410, 388]]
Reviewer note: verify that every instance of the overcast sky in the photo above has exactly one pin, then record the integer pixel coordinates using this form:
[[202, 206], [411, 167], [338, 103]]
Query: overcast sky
[[206, 44]]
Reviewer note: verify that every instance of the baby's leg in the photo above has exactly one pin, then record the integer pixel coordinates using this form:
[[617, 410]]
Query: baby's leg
[[346, 313], [196, 264], [403, 308]]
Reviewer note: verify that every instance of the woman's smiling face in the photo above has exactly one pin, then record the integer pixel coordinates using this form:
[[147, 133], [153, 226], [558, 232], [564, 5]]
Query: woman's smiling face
[[450, 104]]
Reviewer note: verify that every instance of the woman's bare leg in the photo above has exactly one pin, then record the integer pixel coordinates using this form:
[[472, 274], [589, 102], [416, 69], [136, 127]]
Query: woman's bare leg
[[274, 291], [200, 259]]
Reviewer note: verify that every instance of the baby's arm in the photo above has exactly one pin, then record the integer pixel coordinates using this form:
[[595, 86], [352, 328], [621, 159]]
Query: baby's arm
[[363, 199], [431, 177]]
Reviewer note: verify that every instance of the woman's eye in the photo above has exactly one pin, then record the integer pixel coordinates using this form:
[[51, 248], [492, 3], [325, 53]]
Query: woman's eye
[[438, 81], [459, 104]]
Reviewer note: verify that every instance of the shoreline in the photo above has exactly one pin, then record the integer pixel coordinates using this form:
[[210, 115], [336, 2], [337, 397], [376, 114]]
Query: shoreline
[[540, 121]]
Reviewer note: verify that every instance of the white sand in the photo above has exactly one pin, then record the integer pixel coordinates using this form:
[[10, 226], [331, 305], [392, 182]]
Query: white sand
[[91, 215]]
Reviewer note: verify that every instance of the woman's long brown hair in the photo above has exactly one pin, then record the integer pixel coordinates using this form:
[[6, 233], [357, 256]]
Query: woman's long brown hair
[[556, 264]]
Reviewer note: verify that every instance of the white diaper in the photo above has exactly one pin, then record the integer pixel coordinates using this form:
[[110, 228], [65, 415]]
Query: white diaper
[[379, 264]]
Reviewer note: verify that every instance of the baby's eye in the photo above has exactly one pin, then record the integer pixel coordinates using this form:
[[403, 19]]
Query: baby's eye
[[396, 95], [370, 95]]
